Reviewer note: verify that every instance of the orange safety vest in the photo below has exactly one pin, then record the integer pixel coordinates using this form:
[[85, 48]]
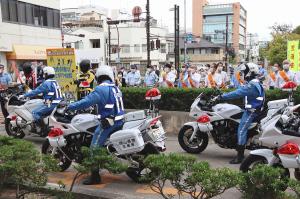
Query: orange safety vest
[[238, 77], [273, 76], [284, 76], [211, 81], [191, 82]]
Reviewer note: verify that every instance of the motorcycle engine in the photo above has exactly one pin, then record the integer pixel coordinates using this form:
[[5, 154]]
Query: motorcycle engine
[[225, 133], [292, 125]]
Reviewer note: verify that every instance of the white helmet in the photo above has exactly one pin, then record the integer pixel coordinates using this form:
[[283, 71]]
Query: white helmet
[[105, 71], [253, 68], [48, 70]]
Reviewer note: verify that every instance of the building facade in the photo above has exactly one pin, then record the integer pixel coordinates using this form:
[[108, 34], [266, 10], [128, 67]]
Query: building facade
[[132, 42], [28, 28], [215, 23]]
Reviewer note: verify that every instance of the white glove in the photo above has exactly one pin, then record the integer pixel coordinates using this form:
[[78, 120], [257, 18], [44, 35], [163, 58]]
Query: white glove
[[21, 97]]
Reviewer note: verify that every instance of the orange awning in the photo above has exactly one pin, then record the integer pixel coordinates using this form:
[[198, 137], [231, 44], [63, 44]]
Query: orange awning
[[28, 52]]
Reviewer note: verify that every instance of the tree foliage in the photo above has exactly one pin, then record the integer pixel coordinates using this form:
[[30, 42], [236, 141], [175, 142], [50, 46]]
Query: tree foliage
[[297, 30]]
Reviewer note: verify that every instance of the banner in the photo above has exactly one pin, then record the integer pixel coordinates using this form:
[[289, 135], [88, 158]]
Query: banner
[[64, 63], [293, 54]]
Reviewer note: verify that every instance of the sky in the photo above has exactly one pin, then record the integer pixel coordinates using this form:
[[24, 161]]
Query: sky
[[261, 13]]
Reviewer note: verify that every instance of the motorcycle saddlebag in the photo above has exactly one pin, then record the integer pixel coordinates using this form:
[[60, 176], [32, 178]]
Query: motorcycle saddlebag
[[127, 141]]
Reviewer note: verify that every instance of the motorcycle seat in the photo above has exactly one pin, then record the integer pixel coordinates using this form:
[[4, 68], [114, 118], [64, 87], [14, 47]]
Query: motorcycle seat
[[291, 133]]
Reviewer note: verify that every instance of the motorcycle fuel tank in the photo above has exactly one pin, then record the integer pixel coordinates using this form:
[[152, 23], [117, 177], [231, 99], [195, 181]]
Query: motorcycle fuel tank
[[32, 104], [83, 122], [227, 110]]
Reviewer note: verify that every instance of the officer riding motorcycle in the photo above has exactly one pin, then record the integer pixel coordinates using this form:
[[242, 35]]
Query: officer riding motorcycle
[[108, 99], [85, 79], [254, 97], [51, 94]]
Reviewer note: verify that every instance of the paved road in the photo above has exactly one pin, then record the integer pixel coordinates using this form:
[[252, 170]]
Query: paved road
[[120, 186]]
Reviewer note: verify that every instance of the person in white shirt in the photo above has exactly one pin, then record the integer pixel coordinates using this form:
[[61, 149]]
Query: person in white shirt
[[167, 78], [193, 78], [221, 71], [285, 75], [213, 79], [273, 76]]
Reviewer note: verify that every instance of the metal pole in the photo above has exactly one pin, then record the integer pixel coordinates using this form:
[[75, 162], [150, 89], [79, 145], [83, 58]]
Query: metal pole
[[109, 45], [177, 39], [148, 32], [185, 45], [226, 42], [118, 43]]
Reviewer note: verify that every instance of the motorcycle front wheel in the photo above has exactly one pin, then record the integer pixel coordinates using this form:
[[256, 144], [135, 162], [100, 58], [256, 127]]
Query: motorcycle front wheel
[[13, 132], [63, 162], [197, 145]]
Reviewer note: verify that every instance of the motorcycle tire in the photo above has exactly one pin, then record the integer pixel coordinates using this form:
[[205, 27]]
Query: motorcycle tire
[[201, 137], [64, 163], [136, 174], [10, 132], [256, 160]]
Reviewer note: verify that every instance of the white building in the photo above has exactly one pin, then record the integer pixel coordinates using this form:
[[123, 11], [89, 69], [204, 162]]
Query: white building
[[133, 44], [27, 29], [92, 46], [252, 47]]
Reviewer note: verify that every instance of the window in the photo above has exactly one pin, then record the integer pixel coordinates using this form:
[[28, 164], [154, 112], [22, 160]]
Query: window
[[95, 43], [214, 51], [29, 14], [163, 48], [171, 47], [203, 51], [125, 48], [79, 45], [22, 12], [26, 13], [196, 51], [50, 16], [137, 48], [144, 48], [13, 11], [4, 9]]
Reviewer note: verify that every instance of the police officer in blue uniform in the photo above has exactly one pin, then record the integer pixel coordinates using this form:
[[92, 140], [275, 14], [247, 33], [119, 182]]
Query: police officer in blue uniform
[[108, 98], [52, 95], [254, 95]]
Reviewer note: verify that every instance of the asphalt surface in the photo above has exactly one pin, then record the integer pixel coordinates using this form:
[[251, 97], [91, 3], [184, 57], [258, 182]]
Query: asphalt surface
[[120, 186]]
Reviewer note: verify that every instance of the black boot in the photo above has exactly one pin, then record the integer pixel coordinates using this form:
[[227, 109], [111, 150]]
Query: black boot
[[240, 155], [44, 129], [94, 178]]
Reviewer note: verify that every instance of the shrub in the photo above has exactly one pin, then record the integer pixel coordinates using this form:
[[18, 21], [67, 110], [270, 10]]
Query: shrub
[[174, 99], [294, 185], [263, 182], [22, 164], [187, 176]]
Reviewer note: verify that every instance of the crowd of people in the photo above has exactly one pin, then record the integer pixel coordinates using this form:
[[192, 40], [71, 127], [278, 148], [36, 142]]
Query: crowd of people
[[216, 75]]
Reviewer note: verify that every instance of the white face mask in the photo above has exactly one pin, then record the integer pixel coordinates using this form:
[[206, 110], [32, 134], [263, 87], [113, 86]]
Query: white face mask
[[211, 70], [148, 70], [119, 76], [275, 69], [133, 70], [167, 70], [286, 66], [220, 69]]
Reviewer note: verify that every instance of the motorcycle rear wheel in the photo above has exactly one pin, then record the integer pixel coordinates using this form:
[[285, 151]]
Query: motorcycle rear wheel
[[199, 143], [63, 162], [11, 132]]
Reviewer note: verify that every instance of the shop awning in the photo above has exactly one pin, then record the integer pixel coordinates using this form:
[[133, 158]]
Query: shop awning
[[28, 52]]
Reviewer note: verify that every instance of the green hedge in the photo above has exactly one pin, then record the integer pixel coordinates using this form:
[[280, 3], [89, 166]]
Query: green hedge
[[181, 99]]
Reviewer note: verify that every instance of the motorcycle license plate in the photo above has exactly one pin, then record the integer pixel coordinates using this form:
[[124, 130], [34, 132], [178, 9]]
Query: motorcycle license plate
[[158, 133]]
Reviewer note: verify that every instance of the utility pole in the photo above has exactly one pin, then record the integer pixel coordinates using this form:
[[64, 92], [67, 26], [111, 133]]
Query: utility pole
[[109, 45], [148, 33], [185, 39], [226, 41], [176, 38]]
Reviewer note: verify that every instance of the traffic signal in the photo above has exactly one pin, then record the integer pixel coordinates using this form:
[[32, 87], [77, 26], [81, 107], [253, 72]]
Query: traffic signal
[[157, 44], [152, 45]]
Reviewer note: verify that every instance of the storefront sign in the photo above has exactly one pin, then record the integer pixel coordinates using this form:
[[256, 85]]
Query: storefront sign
[[294, 54], [64, 62]]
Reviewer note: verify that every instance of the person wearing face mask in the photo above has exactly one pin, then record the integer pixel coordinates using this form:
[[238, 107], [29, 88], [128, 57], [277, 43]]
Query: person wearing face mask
[[221, 71], [133, 78], [151, 77], [193, 78], [254, 97], [273, 76], [213, 79], [5, 80], [262, 71], [237, 80], [167, 78], [285, 75], [183, 76]]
